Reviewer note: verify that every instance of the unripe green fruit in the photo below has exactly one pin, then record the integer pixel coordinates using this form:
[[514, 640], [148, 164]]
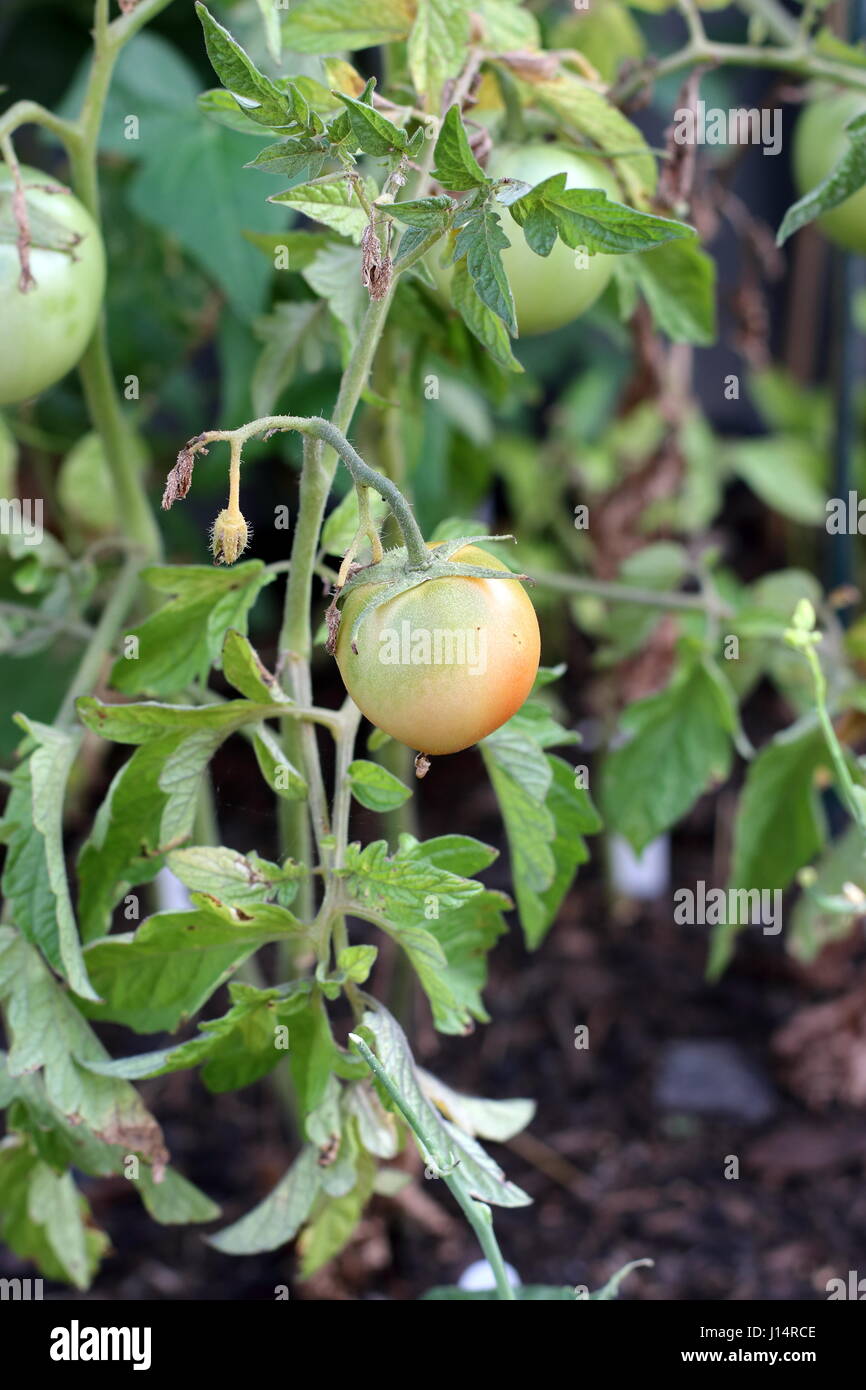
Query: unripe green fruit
[[819, 143], [549, 291]]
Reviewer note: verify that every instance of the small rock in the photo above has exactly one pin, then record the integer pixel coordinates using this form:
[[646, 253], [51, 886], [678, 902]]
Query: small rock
[[712, 1077]]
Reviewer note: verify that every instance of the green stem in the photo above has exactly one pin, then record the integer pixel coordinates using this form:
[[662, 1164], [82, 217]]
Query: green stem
[[851, 794], [330, 434], [705, 602], [794, 58], [110, 621]]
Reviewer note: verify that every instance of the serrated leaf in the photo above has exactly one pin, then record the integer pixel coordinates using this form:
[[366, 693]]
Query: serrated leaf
[[232, 877], [258, 97], [480, 320], [374, 133], [244, 669], [456, 169], [154, 978], [489, 1119], [292, 340], [587, 217], [481, 240], [334, 204], [178, 644]]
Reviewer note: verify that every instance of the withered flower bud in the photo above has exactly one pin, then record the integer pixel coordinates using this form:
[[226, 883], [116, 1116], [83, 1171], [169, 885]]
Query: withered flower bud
[[229, 537]]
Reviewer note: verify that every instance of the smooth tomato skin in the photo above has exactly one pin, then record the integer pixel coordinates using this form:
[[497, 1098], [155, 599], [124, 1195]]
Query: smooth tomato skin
[[549, 291], [819, 143], [442, 708], [45, 331]]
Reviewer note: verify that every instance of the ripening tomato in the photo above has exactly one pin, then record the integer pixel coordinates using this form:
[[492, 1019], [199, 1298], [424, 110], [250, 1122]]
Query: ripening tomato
[[46, 329], [549, 291], [819, 143], [446, 663]]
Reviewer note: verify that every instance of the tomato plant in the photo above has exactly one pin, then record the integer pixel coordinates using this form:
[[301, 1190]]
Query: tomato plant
[[46, 326], [378, 213]]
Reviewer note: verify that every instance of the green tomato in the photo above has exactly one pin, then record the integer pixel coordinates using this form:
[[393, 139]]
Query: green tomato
[[549, 291], [819, 143], [46, 329], [444, 664]]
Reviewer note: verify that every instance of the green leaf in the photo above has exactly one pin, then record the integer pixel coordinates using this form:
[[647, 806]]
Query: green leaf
[[233, 1051], [456, 169], [521, 778], [356, 962], [437, 47], [150, 806], [587, 217], [375, 787], [174, 1201], [428, 213], [282, 777], [845, 178], [583, 112], [481, 240], [179, 644], [313, 1054], [341, 525], [256, 95], [489, 1119], [49, 768], [787, 472], [293, 339], [277, 1219], [49, 1033], [679, 744], [233, 878], [330, 26], [461, 919], [507, 25], [244, 669], [301, 155], [334, 1220], [335, 276], [334, 204], [678, 281], [439, 1141], [149, 721], [780, 825], [44, 1218], [156, 977], [373, 132], [480, 320]]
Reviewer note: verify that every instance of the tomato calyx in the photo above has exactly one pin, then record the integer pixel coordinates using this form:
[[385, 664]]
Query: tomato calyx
[[397, 576]]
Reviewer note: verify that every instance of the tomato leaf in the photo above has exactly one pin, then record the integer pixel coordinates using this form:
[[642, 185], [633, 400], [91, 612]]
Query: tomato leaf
[[375, 787], [847, 176], [587, 217], [256, 95], [456, 168], [374, 133], [679, 743], [437, 47]]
